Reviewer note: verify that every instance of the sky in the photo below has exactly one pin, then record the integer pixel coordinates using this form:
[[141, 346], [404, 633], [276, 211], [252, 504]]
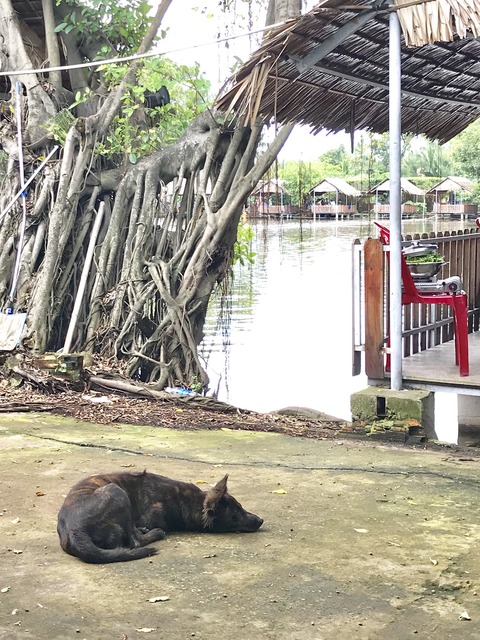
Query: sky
[[188, 29]]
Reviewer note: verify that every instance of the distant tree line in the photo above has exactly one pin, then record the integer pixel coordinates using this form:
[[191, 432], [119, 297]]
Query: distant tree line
[[424, 162]]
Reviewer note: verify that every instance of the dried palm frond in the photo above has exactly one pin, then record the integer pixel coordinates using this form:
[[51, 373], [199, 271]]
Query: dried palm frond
[[438, 20]]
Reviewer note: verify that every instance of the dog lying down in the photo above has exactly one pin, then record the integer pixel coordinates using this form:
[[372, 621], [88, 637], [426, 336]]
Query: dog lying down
[[111, 517]]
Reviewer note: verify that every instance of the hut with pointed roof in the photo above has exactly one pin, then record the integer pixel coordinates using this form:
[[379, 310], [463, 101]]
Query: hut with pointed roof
[[412, 196], [270, 198], [334, 197], [450, 195]]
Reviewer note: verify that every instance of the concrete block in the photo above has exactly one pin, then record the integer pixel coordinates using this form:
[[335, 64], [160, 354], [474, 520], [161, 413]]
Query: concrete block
[[412, 406]]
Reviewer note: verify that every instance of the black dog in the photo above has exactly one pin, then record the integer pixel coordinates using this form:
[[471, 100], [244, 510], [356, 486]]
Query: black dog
[[111, 517]]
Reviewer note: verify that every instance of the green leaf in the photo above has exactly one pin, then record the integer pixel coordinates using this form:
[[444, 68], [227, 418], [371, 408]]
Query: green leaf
[[60, 27], [133, 158]]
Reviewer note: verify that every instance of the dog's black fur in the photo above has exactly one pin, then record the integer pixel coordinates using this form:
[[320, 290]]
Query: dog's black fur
[[111, 517]]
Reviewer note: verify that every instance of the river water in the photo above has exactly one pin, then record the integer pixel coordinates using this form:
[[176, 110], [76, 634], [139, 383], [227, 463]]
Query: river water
[[282, 336]]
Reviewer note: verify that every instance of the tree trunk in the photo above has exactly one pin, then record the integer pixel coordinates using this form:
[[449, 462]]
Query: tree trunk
[[157, 259]]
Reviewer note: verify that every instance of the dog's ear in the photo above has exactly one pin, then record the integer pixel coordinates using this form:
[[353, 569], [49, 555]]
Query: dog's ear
[[214, 495], [221, 486]]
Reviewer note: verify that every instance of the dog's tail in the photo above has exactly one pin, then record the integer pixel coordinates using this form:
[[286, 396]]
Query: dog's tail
[[81, 545]]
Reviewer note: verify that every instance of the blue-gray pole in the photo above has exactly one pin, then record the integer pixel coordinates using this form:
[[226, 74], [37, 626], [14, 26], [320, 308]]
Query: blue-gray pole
[[395, 126]]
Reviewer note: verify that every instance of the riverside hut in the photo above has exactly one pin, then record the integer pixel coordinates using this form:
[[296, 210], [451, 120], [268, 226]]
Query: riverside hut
[[334, 197], [450, 195], [412, 196], [270, 198]]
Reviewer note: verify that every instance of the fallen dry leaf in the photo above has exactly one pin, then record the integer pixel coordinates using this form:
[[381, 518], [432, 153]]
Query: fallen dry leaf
[[434, 562], [39, 493], [159, 599], [5, 590], [280, 491], [17, 551], [464, 616], [145, 630], [361, 530]]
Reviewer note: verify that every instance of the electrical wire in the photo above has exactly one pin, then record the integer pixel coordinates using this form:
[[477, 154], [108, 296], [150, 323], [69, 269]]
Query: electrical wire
[[151, 54]]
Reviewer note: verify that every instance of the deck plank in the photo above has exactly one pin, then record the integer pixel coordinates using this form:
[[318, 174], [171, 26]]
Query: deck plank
[[436, 366]]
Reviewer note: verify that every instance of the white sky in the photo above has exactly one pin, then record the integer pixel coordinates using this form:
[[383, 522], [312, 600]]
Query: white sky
[[187, 29]]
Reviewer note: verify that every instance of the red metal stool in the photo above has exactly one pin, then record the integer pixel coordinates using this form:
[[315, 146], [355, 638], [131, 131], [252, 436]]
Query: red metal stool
[[457, 301]]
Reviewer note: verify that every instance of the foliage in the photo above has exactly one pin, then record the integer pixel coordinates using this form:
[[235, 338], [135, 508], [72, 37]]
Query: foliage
[[242, 252], [421, 207], [137, 131], [432, 159], [298, 178], [59, 125], [466, 152], [121, 25]]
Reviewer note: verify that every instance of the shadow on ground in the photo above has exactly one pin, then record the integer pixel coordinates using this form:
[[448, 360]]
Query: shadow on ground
[[363, 541]]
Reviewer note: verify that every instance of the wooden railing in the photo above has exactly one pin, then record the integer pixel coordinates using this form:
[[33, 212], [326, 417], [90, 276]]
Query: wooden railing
[[265, 210], [384, 209], [467, 209], [333, 209], [423, 326]]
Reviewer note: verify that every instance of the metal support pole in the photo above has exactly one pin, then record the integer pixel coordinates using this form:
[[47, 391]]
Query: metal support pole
[[395, 126]]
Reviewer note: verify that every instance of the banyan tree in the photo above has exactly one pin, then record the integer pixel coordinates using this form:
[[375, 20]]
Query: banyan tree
[[109, 254]]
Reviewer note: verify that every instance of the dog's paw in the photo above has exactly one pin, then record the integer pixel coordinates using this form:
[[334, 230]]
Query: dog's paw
[[151, 535], [159, 534]]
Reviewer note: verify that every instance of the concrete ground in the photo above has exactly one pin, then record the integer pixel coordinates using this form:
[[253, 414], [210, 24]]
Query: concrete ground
[[359, 540]]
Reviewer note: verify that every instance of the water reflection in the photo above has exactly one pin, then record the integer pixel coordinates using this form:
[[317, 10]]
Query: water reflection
[[285, 334]]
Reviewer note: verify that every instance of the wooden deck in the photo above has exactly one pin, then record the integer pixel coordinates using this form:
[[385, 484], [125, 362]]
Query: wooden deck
[[435, 369], [427, 330]]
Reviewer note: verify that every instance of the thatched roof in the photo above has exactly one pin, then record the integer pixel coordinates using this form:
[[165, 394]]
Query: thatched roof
[[453, 183], [270, 186], [347, 88], [438, 21], [407, 187], [329, 185]]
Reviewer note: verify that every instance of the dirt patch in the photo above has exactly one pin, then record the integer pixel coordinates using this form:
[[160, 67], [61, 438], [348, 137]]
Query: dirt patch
[[177, 413], [190, 414]]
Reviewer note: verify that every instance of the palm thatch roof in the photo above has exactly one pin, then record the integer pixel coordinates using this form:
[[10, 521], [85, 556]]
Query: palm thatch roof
[[453, 183], [270, 186], [407, 187], [329, 185], [438, 20], [308, 71]]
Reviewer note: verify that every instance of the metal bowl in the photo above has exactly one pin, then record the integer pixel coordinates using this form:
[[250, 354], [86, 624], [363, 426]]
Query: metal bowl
[[424, 270], [415, 249]]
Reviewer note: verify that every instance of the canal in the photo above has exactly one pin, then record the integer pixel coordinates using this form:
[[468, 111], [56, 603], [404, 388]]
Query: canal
[[282, 335]]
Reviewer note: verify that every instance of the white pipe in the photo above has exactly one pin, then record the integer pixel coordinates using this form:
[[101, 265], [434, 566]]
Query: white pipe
[[395, 127], [27, 183], [21, 237], [83, 278]]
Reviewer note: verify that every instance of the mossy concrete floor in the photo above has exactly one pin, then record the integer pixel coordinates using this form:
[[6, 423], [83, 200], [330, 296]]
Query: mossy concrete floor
[[362, 541]]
